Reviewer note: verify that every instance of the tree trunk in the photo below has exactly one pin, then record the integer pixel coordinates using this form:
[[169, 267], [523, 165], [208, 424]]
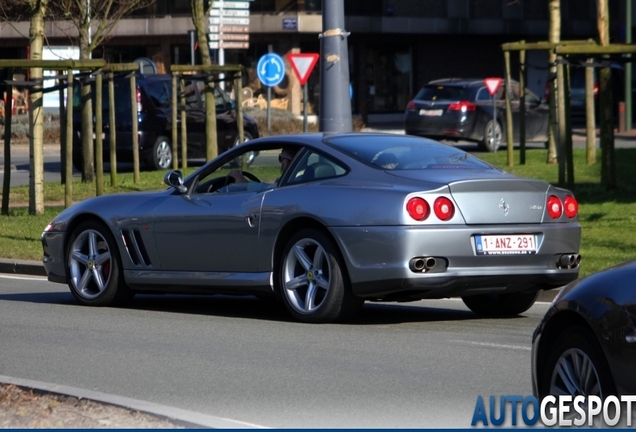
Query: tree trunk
[[554, 36], [88, 169], [36, 112], [608, 167], [200, 20]]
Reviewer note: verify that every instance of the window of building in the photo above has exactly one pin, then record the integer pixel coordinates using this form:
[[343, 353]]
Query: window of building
[[389, 78]]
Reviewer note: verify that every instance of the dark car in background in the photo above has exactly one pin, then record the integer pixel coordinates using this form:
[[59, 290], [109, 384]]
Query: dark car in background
[[586, 343], [577, 91], [462, 109], [154, 114]]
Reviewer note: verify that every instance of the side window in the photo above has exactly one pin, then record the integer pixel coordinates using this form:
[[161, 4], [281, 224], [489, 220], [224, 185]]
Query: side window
[[315, 166], [482, 94]]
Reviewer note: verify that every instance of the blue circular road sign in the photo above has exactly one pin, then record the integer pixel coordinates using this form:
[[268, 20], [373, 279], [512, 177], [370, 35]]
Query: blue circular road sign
[[270, 69]]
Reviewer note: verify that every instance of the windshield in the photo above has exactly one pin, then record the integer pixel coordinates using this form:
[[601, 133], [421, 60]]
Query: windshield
[[406, 153]]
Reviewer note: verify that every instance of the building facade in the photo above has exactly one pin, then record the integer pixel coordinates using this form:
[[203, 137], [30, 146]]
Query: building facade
[[395, 46]]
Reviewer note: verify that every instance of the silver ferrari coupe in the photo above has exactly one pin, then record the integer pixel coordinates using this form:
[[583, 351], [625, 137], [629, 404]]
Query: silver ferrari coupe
[[353, 217]]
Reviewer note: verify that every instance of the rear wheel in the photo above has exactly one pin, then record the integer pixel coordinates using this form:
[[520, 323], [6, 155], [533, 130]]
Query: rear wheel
[[93, 266], [501, 304], [313, 280], [161, 156], [249, 155], [493, 136]]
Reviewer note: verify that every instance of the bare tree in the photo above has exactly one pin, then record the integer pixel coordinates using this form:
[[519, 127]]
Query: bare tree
[[554, 36], [35, 11], [608, 167], [200, 14], [94, 21]]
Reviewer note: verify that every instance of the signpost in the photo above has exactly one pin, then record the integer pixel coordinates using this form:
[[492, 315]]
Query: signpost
[[493, 84], [271, 71], [229, 25], [302, 65]]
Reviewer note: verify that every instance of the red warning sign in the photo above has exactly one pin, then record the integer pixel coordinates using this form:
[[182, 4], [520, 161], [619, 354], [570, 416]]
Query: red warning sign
[[493, 85], [302, 65]]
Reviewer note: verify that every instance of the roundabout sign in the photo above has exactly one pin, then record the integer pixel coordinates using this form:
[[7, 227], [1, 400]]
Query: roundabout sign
[[270, 69]]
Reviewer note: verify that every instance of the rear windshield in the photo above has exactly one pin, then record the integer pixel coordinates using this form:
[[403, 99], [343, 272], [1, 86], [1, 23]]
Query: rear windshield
[[441, 92], [122, 96], [397, 152]]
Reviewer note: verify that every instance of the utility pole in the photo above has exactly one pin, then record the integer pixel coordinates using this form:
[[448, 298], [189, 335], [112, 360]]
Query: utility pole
[[335, 107]]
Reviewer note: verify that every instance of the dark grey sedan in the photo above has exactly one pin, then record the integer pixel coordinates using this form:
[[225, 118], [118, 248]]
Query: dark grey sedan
[[462, 109], [586, 343], [355, 217]]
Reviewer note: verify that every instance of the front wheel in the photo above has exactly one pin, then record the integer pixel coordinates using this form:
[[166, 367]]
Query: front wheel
[[313, 280], [576, 366], [493, 136], [161, 156], [501, 304], [93, 266]]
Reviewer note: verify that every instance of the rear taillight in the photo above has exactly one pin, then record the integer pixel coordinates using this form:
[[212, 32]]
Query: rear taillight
[[140, 107], [411, 106], [443, 208], [462, 106], [571, 206], [555, 207], [418, 208]]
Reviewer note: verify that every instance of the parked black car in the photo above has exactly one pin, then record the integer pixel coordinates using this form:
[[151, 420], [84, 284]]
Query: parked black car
[[586, 343], [462, 109], [154, 95]]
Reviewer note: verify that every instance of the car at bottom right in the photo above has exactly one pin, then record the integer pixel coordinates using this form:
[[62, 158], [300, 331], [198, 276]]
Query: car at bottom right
[[586, 343]]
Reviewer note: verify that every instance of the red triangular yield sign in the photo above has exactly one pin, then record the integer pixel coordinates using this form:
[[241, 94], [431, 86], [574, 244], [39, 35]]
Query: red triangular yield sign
[[493, 85], [302, 65]]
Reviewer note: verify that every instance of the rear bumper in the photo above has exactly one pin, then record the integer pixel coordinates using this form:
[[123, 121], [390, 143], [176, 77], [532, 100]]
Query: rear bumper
[[441, 127]]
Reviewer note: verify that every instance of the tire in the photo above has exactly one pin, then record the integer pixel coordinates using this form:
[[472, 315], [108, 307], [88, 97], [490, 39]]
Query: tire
[[250, 155], [501, 304], [312, 279], [576, 366], [488, 143], [161, 156], [94, 266]]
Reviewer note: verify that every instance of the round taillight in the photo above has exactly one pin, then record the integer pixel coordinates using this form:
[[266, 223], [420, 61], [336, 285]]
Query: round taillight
[[418, 208], [411, 106], [571, 206], [444, 208], [555, 208]]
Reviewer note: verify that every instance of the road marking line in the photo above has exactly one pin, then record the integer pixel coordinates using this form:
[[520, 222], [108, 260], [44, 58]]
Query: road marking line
[[494, 345], [31, 278]]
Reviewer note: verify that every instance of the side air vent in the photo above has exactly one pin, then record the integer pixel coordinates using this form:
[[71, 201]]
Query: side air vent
[[136, 249]]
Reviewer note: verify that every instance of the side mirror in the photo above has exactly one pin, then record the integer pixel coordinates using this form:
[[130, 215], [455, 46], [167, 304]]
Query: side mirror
[[174, 179]]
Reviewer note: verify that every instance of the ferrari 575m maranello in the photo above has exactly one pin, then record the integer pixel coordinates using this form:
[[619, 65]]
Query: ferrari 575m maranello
[[353, 217]]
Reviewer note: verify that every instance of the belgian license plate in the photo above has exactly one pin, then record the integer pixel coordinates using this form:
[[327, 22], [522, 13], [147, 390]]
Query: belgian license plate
[[436, 112], [507, 244]]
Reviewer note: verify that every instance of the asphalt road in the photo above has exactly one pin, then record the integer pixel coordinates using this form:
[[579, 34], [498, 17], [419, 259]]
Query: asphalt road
[[410, 365]]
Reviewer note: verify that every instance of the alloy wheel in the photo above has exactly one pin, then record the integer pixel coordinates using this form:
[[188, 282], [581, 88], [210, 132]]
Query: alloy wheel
[[90, 264]]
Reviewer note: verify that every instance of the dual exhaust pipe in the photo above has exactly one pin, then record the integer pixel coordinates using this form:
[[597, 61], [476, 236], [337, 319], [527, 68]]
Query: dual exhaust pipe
[[568, 261], [427, 264]]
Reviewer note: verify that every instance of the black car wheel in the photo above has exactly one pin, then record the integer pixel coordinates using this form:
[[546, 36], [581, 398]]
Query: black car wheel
[[93, 266], [576, 366], [161, 155], [493, 136], [250, 155], [501, 304], [313, 280]]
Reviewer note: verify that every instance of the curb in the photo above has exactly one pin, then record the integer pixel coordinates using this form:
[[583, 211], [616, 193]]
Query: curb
[[23, 267], [189, 419]]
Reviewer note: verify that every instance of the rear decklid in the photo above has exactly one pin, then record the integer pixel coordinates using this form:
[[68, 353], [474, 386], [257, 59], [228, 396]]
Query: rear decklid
[[500, 201]]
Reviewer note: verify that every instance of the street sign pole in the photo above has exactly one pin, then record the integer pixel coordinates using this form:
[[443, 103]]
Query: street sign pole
[[271, 71], [305, 96], [492, 84], [302, 65]]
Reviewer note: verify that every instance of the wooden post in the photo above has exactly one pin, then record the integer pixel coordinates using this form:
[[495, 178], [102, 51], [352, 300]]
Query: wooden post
[[590, 129], [509, 131], [62, 111], [68, 169], [174, 136], [6, 185], [569, 157], [112, 129], [561, 123], [135, 138], [239, 115], [184, 127], [522, 106], [99, 142]]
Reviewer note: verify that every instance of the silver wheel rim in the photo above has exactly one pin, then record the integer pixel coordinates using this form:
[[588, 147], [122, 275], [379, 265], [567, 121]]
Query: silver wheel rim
[[249, 155], [306, 276], [90, 264], [164, 155], [494, 139], [574, 374]]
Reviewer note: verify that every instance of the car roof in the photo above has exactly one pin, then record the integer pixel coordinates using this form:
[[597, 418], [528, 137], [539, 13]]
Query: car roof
[[461, 82]]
